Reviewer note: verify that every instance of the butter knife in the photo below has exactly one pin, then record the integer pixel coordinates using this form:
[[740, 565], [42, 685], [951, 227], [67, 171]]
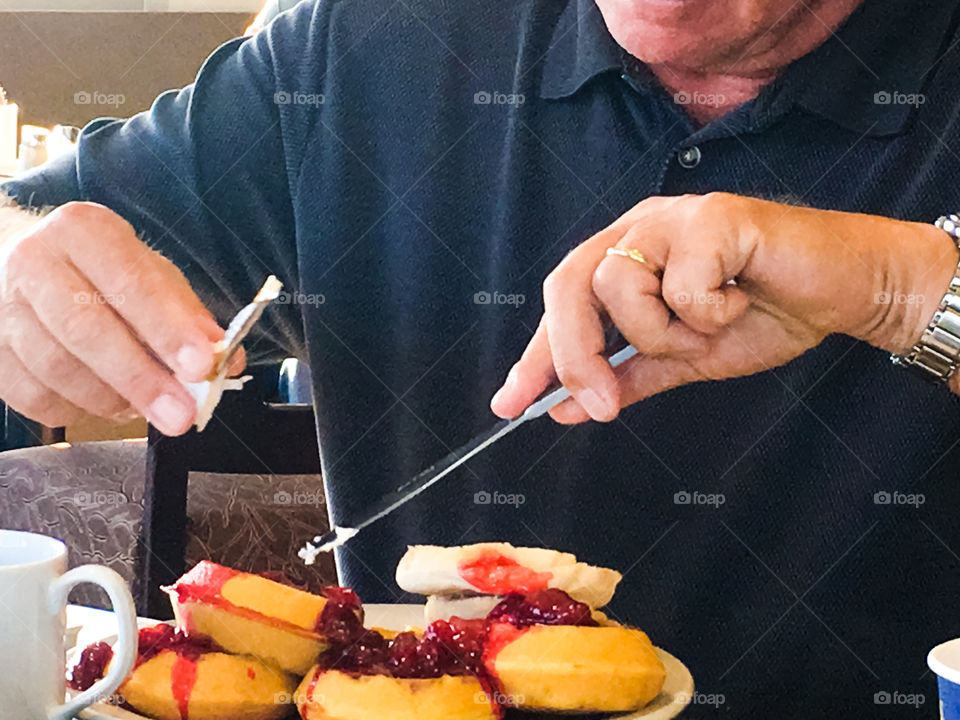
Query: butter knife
[[339, 535]]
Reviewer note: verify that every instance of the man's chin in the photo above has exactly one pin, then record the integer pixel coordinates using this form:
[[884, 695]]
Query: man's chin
[[655, 46], [663, 31]]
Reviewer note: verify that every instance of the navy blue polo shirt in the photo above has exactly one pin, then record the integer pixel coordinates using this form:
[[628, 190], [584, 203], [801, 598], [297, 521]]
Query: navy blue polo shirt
[[415, 169]]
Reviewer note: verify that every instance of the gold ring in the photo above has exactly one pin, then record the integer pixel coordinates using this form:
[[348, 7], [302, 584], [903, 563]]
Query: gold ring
[[634, 255]]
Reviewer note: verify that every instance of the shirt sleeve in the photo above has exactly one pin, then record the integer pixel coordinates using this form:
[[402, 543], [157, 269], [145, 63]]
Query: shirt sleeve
[[204, 176]]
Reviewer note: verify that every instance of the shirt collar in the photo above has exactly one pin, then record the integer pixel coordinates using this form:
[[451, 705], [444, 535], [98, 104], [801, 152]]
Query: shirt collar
[[869, 75], [861, 78], [581, 48]]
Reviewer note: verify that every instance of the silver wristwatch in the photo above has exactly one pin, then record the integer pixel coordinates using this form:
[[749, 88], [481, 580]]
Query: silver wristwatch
[[936, 355]]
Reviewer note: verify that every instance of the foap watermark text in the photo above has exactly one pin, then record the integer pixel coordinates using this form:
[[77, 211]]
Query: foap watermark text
[[498, 98], [886, 97], [695, 497], [895, 697], [895, 497], [295, 97], [96, 97], [499, 298], [483, 497]]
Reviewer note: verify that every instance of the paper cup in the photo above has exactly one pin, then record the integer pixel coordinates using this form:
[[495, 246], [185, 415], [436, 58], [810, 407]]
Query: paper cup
[[944, 660]]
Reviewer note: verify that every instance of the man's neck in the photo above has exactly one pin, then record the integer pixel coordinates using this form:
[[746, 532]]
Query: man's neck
[[715, 90]]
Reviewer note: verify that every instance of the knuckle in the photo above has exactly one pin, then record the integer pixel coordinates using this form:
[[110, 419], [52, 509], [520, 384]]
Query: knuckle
[[37, 402], [13, 322], [654, 203], [134, 280], [22, 258], [101, 402], [51, 366], [86, 213], [87, 216], [569, 374], [712, 201], [605, 279], [139, 382], [75, 214], [674, 292], [81, 325], [552, 284]]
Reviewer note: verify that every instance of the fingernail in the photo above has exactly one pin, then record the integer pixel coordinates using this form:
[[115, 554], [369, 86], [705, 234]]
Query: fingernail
[[195, 361], [508, 386], [599, 407], [171, 415]]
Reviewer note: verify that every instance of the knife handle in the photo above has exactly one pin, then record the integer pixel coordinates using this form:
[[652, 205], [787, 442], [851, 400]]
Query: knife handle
[[552, 398]]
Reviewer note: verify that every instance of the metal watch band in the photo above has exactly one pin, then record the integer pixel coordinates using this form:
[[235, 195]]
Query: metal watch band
[[936, 355]]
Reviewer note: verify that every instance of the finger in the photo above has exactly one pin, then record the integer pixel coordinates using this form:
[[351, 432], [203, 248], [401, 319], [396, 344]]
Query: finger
[[630, 293], [576, 333], [98, 337], [577, 343], [211, 328], [149, 292], [55, 367], [31, 398], [238, 363], [696, 289], [531, 375], [638, 378], [569, 412]]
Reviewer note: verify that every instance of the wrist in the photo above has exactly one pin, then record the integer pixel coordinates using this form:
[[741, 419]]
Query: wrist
[[917, 263]]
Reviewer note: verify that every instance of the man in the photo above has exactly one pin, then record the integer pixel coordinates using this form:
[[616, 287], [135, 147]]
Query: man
[[416, 169]]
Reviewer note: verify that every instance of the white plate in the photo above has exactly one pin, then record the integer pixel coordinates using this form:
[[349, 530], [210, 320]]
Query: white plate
[[676, 693]]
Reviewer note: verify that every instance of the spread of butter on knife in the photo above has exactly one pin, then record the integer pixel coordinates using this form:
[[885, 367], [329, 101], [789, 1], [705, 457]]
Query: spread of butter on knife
[[208, 393]]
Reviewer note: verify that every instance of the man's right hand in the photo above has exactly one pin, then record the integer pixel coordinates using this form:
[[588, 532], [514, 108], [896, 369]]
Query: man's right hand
[[94, 321]]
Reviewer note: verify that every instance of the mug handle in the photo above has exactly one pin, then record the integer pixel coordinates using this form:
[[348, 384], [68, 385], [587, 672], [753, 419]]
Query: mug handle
[[124, 650]]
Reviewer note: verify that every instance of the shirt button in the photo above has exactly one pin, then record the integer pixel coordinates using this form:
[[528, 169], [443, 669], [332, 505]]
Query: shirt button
[[690, 157]]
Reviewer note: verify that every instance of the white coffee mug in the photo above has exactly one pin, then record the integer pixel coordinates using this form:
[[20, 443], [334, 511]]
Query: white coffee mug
[[34, 583]]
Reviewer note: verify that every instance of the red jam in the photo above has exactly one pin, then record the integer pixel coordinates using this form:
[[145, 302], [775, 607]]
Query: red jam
[[183, 676], [151, 641], [499, 635], [496, 574], [447, 647], [91, 666], [154, 640], [543, 607], [342, 596], [453, 647], [203, 583], [341, 620]]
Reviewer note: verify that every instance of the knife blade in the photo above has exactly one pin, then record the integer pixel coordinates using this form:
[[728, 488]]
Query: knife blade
[[390, 502]]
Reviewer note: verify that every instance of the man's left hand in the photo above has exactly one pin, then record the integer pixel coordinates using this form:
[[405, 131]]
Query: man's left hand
[[728, 286]]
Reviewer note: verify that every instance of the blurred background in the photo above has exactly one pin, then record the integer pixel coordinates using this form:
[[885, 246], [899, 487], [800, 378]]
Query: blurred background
[[51, 61]]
